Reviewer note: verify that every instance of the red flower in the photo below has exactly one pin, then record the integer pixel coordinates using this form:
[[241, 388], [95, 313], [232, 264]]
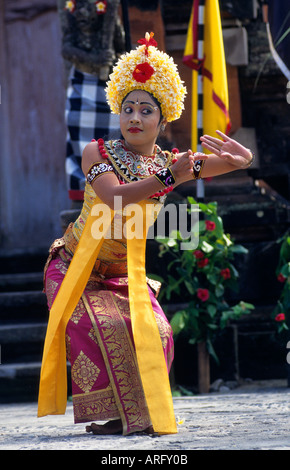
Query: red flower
[[203, 294], [209, 225], [203, 262], [198, 254], [281, 278], [226, 273], [143, 72], [280, 317], [148, 41]]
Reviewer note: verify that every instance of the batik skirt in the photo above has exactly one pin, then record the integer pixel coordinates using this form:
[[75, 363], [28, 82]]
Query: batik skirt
[[100, 348]]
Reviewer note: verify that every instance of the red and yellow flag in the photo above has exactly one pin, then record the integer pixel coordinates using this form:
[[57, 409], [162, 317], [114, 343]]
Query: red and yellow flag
[[204, 53]]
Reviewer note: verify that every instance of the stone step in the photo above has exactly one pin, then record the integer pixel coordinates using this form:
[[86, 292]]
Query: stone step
[[19, 382], [28, 305], [12, 371], [22, 261], [18, 332], [22, 342], [21, 282]]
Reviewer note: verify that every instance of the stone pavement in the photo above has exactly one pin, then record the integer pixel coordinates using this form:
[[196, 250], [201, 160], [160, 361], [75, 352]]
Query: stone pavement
[[253, 417]]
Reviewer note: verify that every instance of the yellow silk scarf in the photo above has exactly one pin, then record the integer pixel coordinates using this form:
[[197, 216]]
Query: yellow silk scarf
[[150, 357], [149, 351]]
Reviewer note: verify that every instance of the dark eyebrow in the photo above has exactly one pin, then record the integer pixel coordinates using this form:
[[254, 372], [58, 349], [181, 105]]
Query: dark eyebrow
[[141, 102]]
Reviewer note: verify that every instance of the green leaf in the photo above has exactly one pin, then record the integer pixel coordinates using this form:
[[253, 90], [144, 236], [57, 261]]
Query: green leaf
[[189, 287], [219, 230], [212, 326], [211, 351], [206, 208], [193, 311], [285, 271], [185, 391], [239, 249], [219, 290], [178, 322], [192, 201], [212, 278], [155, 277], [211, 310], [192, 341]]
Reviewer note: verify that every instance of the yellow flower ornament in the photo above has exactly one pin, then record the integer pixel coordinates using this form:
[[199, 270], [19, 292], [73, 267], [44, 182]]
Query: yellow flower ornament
[[146, 68]]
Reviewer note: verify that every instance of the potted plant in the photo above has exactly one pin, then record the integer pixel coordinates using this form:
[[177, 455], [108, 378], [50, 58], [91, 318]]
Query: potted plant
[[281, 312], [202, 276]]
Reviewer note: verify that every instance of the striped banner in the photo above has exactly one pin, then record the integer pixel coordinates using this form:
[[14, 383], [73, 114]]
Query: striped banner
[[204, 54], [200, 53]]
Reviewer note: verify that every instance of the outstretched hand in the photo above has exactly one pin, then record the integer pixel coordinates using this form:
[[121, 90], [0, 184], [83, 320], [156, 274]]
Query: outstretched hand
[[228, 149]]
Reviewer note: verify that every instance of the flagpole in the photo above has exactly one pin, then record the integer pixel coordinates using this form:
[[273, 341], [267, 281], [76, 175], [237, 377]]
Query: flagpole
[[200, 182]]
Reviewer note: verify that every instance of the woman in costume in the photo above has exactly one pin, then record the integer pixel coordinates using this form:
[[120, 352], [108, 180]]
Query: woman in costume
[[103, 313]]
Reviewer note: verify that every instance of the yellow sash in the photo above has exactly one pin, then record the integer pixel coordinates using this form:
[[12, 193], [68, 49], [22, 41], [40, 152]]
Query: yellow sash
[[149, 351], [53, 380]]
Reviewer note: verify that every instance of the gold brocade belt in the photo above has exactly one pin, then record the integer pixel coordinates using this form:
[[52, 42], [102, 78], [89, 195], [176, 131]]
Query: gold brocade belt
[[102, 268]]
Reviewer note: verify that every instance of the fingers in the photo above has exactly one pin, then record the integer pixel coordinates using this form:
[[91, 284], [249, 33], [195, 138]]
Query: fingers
[[222, 135], [212, 140], [212, 147], [187, 160], [200, 156]]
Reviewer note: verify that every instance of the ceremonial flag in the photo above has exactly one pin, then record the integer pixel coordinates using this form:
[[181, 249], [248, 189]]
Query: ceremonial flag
[[204, 53], [278, 30]]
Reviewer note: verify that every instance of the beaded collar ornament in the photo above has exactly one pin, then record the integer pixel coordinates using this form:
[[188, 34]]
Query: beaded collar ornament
[[129, 169], [146, 68]]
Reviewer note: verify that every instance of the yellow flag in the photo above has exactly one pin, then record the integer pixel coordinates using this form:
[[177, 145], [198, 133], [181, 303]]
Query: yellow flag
[[204, 53]]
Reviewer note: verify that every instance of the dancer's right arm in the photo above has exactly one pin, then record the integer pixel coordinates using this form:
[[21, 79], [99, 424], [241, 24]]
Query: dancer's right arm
[[107, 186]]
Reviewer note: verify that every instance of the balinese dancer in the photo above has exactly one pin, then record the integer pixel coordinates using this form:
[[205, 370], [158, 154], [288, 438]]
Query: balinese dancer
[[103, 312]]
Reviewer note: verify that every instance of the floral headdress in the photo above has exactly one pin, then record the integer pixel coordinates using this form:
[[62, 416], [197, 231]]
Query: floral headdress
[[146, 68]]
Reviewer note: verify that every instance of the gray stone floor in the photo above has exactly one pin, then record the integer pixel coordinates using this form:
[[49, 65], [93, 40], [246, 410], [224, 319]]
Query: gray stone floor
[[253, 417]]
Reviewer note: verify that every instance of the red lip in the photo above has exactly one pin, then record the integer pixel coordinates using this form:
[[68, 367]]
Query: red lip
[[134, 130]]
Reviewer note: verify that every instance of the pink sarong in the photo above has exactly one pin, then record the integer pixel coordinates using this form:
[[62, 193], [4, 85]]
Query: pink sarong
[[104, 373]]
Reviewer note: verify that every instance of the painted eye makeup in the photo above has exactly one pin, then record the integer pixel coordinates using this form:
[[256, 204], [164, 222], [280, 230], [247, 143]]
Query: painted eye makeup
[[146, 110], [127, 109]]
